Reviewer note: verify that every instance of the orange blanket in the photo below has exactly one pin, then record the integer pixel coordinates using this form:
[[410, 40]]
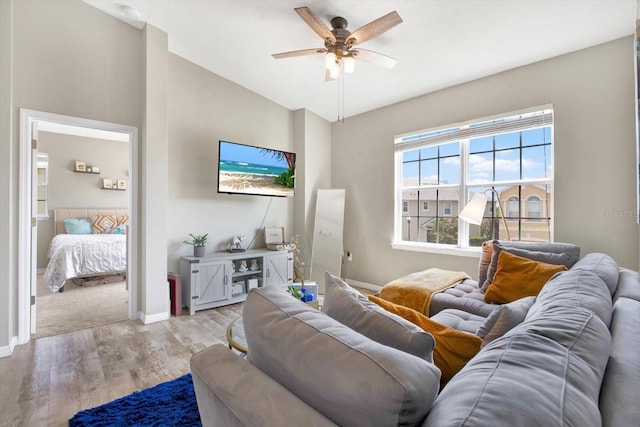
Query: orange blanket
[[416, 289]]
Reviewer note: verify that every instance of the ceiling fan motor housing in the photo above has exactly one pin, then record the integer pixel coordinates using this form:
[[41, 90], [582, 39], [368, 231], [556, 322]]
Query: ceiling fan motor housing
[[341, 45]]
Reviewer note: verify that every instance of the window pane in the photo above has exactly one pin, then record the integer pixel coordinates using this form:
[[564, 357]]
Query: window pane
[[481, 144], [429, 152], [428, 227], [513, 207], [480, 168], [411, 200], [410, 174], [450, 170], [450, 149], [508, 140], [410, 229], [448, 231], [534, 207], [429, 172], [536, 162], [533, 137], [410, 155], [508, 165]]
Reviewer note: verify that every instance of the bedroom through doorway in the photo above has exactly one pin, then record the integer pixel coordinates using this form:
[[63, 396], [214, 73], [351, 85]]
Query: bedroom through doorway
[[81, 274]]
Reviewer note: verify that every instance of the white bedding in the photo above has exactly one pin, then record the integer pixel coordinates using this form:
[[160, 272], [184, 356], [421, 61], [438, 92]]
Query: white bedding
[[74, 255]]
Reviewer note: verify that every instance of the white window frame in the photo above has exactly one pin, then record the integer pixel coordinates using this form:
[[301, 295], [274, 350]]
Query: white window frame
[[425, 205], [530, 118]]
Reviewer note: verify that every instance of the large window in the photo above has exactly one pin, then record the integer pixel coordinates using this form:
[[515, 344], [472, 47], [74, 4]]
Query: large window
[[509, 159]]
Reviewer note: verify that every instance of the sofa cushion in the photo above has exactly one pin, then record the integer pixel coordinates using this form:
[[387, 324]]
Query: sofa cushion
[[628, 285], [453, 348], [525, 378], [577, 329], [517, 277], [351, 308], [566, 254], [575, 288], [619, 392], [504, 318], [460, 320], [312, 354], [465, 296], [485, 260], [602, 265]]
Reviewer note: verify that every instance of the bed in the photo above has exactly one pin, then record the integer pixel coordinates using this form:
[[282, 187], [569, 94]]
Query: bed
[[74, 256]]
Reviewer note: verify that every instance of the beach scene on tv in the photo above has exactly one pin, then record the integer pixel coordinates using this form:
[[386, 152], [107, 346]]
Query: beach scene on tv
[[254, 170]]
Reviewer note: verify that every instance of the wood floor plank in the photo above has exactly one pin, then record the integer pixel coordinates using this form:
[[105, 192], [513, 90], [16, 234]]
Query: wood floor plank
[[46, 381]]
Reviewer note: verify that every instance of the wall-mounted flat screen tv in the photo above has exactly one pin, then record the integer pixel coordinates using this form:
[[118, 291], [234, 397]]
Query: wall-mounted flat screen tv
[[245, 169]]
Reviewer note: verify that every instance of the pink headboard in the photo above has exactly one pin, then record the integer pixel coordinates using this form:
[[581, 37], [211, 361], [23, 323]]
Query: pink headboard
[[59, 215]]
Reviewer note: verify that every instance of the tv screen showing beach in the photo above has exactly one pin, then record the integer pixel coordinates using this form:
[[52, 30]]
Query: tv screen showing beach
[[245, 169]]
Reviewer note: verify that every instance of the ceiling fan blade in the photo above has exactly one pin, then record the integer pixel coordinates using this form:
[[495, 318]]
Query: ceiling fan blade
[[314, 22], [375, 58], [375, 28], [302, 52]]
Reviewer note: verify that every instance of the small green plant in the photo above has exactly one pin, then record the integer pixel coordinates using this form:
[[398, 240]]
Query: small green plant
[[286, 178], [197, 240], [295, 292]]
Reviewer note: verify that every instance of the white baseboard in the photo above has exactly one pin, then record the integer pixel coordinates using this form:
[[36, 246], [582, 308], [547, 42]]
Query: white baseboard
[[7, 350], [153, 318], [363, 285]]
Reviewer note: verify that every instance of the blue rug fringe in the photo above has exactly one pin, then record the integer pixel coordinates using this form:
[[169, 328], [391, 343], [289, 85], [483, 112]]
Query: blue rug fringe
[[172, 403]]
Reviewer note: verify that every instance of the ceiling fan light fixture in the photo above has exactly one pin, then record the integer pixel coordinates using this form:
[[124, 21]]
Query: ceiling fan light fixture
[[330, 60], [349, 64], [334, 71]]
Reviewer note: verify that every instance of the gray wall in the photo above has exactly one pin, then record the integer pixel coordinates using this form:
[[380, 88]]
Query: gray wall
[[313, 147], [204, 108], [67, 57], [592, 92], [68, 189], [64, 57]]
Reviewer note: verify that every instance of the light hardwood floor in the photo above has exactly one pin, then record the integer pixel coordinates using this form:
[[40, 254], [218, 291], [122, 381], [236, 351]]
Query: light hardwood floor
[[48, 380]]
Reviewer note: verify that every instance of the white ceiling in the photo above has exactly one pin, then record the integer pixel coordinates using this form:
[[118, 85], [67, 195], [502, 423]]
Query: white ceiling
[[441, 43]]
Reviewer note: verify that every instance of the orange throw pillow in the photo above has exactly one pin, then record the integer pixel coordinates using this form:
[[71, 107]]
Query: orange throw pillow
[[453, 348], [517, 277]]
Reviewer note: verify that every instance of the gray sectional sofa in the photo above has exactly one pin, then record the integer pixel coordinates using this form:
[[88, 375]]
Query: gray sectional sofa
[[570, 359]]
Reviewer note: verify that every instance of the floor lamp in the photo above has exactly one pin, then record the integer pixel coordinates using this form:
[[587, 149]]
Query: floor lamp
[[474, 211]]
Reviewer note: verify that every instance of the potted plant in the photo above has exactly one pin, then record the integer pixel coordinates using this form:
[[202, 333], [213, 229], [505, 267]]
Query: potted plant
[[198, 243]]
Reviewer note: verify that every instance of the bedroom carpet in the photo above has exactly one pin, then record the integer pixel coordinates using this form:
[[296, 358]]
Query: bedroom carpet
[[80, 308]]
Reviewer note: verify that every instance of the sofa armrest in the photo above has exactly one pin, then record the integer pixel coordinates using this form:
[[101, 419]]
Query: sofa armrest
[[232, 392]]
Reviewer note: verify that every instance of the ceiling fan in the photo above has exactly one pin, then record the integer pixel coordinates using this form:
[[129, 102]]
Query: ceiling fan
[[339, 43]]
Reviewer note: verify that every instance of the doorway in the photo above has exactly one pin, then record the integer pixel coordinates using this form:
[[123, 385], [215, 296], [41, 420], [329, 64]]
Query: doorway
[[30, 123]]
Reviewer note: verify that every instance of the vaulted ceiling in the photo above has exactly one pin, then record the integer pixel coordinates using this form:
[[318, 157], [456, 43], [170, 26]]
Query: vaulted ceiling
[[441, 43]]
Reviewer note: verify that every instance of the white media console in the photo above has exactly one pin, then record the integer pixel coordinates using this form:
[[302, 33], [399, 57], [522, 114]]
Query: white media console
[[218, 279]]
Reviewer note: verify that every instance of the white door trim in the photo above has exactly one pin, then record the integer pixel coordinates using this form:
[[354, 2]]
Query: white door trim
[[27, 117]]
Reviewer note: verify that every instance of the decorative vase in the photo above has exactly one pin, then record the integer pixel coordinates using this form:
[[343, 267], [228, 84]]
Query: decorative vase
[[198, 251]]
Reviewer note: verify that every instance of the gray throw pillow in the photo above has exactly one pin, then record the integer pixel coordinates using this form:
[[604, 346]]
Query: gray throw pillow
[[349, 307], [504, 318], [535, 255]]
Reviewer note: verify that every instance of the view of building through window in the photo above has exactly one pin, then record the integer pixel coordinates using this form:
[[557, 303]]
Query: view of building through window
[[508, 159]]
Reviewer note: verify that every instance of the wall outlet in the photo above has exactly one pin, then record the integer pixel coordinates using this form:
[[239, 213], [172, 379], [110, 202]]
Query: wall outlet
[[349, 256]]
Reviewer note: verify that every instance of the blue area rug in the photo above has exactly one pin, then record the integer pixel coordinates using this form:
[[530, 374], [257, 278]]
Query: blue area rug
[[168, 404]]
